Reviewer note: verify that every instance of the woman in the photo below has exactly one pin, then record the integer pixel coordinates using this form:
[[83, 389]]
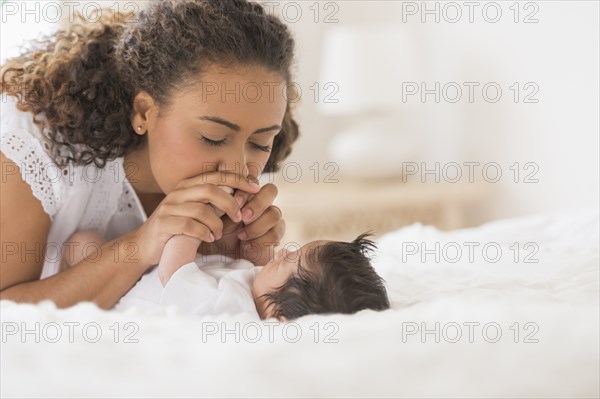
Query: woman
[[127, 128]]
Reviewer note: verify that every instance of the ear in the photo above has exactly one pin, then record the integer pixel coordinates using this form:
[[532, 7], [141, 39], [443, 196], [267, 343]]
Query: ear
[[143, 108]]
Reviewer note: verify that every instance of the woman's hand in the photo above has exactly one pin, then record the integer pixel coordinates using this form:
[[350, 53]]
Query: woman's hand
[[186, 210], [259, 232]]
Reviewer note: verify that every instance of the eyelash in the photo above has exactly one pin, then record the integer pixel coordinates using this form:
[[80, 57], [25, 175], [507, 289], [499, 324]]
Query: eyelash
[[214, 143]]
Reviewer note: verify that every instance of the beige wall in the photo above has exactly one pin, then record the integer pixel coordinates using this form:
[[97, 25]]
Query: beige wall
[[559, 133]]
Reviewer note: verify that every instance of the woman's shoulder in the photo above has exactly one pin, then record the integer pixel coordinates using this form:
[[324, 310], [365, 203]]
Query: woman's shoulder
[[23, 143], [19, 133], [12, 118]]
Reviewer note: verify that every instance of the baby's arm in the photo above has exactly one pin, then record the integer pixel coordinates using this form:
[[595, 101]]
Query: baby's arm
[[181, 249], [178, 251]]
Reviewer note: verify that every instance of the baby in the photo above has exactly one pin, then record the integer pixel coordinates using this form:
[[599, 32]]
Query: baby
[[321, 277]]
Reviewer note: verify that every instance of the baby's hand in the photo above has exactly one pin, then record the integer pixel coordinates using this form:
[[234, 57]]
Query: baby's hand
[[181, 249]]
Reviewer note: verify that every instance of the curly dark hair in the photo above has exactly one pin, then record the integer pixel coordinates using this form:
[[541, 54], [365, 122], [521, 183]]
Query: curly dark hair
[[340, 279], [84, 79]]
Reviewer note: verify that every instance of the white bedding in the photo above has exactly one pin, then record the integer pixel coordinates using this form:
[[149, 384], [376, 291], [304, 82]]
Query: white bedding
[[177, 356]]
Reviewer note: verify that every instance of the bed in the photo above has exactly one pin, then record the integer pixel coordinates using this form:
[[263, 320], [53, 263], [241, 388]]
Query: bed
[[519, 318]]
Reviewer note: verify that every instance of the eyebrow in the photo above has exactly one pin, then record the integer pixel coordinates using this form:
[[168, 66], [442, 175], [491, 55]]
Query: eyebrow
[[235, 127]]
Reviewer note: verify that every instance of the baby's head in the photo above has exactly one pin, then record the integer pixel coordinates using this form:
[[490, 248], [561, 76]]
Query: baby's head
[[321, 277]]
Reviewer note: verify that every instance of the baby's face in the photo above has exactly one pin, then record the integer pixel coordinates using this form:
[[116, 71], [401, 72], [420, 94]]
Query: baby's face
[[275, 273]]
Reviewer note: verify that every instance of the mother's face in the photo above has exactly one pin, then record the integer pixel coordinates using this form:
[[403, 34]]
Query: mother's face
[[226, 121]]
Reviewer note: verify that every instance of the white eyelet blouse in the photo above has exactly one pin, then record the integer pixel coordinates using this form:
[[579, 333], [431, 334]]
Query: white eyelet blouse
[[74, 197]]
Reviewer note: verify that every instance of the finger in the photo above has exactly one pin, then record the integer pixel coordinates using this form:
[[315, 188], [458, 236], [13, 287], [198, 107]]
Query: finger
[[188, 226], [218, 211], [200, 213], [269, 219], [259, 203], [229, 226], [241, 197], [208, 194], [229, 179]]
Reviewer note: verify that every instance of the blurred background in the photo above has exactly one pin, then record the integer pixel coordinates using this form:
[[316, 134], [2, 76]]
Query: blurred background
[[445, 113]]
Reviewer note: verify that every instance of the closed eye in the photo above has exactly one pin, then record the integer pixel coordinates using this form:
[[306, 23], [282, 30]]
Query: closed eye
[[214, 143], [264, 148]]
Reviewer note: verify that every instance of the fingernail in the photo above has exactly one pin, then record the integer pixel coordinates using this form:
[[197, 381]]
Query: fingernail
[[247, 214], [242, 235], [211, 238], [254, 183], [238, 216]]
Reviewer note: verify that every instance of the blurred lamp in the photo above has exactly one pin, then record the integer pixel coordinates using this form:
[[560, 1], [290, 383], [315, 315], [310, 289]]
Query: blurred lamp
[[366, 66]]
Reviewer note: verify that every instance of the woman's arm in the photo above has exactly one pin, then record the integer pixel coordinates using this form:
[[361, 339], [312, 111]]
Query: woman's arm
[[80, 245], [102, 278], [179, 250], [24, 228]]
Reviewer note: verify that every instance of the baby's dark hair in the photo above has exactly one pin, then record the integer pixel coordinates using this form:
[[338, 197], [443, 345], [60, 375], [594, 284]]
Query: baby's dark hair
[[341, 280]]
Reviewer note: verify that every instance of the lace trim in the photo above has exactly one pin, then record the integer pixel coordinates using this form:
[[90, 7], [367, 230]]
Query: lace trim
[[37, 168], [107, 192], [128, 202]]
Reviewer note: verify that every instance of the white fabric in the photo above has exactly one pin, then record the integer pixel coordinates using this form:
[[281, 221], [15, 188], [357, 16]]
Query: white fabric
[[74, 197], [361, 355], [211, 285]]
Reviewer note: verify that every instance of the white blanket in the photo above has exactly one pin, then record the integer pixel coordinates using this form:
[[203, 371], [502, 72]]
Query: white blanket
[[546, 312]]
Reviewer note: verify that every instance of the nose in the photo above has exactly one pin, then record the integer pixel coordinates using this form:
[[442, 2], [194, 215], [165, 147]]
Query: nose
[[234, 162], [289, 255]]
